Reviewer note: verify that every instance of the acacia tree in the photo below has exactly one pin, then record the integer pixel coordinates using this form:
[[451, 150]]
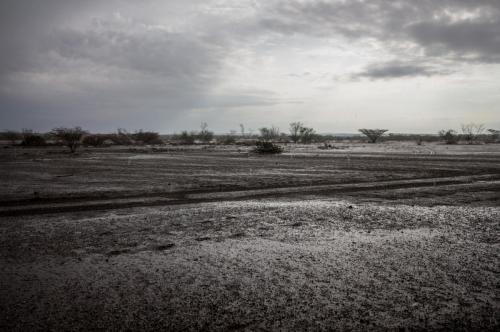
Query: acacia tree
[[71, 137], [307, 135], [372, 134], [471, 131]]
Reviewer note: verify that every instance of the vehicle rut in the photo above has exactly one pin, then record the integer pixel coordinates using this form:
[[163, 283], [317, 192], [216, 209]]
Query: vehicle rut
[[53, 205]]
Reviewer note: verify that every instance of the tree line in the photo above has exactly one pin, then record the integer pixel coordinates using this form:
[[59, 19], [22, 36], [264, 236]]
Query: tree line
[[265, 140]]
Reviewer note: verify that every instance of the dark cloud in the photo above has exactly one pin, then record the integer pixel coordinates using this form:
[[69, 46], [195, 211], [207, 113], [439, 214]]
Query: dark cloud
[[467, 40], [74, 61], [461, 29], [117, 63], [397, 70]]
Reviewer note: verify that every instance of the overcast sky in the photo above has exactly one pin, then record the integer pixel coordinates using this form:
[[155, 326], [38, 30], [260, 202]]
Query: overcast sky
[[404, 65]]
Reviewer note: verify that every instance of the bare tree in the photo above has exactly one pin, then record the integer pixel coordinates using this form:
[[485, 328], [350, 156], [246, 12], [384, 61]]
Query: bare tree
[[205, 135], [471, 131], [295, 131], [298, 132], [373, 134], [269, 134], [449, 136], [71, 137]]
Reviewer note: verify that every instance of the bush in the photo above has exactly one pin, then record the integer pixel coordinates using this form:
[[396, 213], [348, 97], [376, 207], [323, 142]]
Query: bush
[[472, 131], [267, 147], [226, 140], [94, 140], [122, 137], [449, 136], [32, 139], [269, 134], [147, 137], [185, 138], [495, 135], [12, 136], [205, 135]]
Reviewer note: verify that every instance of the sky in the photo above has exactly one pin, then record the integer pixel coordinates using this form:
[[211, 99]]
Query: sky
[[414, 66]]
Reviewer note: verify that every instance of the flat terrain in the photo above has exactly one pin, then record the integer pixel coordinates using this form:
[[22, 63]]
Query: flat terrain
[[377, 237]]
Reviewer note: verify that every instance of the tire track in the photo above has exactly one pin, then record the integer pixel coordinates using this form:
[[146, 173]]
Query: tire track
[[30, 207]]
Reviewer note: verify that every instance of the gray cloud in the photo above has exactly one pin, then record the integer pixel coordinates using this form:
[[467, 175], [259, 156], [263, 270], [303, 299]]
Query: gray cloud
[[118, 63], [464, 30], [397, 70], [76, 69], [467, 40]]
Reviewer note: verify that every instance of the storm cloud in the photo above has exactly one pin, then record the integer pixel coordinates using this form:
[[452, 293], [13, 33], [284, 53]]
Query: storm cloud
[[168, 65], [397, 70]]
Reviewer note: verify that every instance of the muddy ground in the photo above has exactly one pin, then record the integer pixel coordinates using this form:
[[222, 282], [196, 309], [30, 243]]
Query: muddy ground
[[363, 237]]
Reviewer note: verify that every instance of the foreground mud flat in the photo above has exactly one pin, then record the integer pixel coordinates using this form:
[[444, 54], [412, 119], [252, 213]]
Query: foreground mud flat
[[200, 239], [291, 264]]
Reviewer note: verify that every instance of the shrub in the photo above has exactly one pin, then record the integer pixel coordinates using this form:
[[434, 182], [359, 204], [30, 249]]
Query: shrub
[[267, 147], [449, 136], [94, 140], [269, 134], [227, 140], [32, 139], [495, 134], [122, 137], [471, 131], [147, 137], [185, 138], [12, 136], [205, 135]]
